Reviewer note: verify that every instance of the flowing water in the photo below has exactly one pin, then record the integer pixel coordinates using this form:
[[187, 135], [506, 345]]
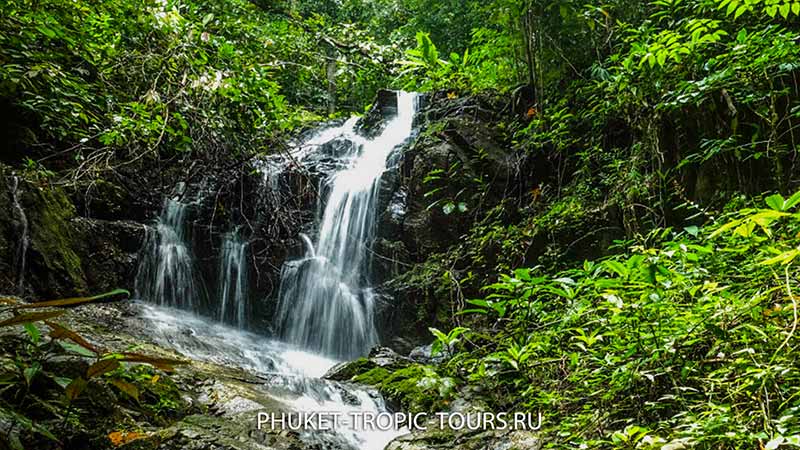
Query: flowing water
[[325, 312], [233, 292], [24, 242], [167, 274], [294, 374], [326, 304]]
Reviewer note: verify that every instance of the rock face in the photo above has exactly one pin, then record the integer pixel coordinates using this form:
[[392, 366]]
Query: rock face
[[429, 206], [50, 251]]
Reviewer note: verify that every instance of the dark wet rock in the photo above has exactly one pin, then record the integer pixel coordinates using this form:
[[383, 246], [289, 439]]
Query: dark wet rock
[[105, 200], [7, 225], [382, 357], [385, 106], [109, 253], [64, 254], [471, 440], [423, 354]]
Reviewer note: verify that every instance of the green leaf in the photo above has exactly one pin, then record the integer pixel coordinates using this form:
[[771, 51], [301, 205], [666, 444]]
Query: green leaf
[[739, 11], [775, 202], [208, 18], [33, 332], [784, 10], [75, 348], [741, 37], [31, 372], [448, 208], [784, 258], [62, 381], [792, 201], [46, 31], [771, 10], [617, 267]]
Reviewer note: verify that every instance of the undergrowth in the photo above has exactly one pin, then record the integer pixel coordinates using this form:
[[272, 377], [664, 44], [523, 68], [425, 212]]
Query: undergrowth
[[686, 339]]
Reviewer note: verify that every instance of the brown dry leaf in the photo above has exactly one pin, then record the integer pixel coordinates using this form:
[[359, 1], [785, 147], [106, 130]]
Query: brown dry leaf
[[165, 364], [120, 438], [75, 301], [30, 317], [59, 332], [101, 367], [75, 388], [128, 388]]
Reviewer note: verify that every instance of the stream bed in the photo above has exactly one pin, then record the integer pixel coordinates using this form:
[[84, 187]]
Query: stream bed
[[292, 376]]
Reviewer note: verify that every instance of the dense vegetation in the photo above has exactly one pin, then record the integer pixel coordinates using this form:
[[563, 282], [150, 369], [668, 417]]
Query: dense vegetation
[[675, 118]]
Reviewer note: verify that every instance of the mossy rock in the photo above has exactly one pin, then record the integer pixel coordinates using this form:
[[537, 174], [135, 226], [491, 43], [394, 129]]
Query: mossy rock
[[55, 266], [349, 370], [415, 388]]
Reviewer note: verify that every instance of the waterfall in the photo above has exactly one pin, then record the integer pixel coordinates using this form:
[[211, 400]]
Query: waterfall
[[167, 274], [325, 302], [24, 241], [233, 292]]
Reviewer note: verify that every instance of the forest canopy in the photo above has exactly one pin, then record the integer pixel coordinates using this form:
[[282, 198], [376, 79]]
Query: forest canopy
[[624, 258]]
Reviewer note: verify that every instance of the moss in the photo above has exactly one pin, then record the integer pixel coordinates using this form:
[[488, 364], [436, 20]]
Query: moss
[[373, 377], [53, 237], [353, 369], [415, 388], [158, 394]]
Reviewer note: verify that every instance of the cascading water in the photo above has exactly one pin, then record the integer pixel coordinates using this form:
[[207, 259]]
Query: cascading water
[[294, 375], [167, 274], [326, 306], [325, 303], [233, 291], [22, 246]]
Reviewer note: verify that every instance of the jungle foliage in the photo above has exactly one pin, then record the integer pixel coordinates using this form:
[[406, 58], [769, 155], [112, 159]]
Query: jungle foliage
[[677, 118], [686, 339]]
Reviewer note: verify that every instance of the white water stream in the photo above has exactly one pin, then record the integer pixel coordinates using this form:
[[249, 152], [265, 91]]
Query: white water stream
[[326, 305]]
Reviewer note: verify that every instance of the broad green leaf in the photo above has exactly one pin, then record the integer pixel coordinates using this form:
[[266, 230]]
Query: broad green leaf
[[792, 201], [77, 349], [739, 11], [784, 258], [775, 202]]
